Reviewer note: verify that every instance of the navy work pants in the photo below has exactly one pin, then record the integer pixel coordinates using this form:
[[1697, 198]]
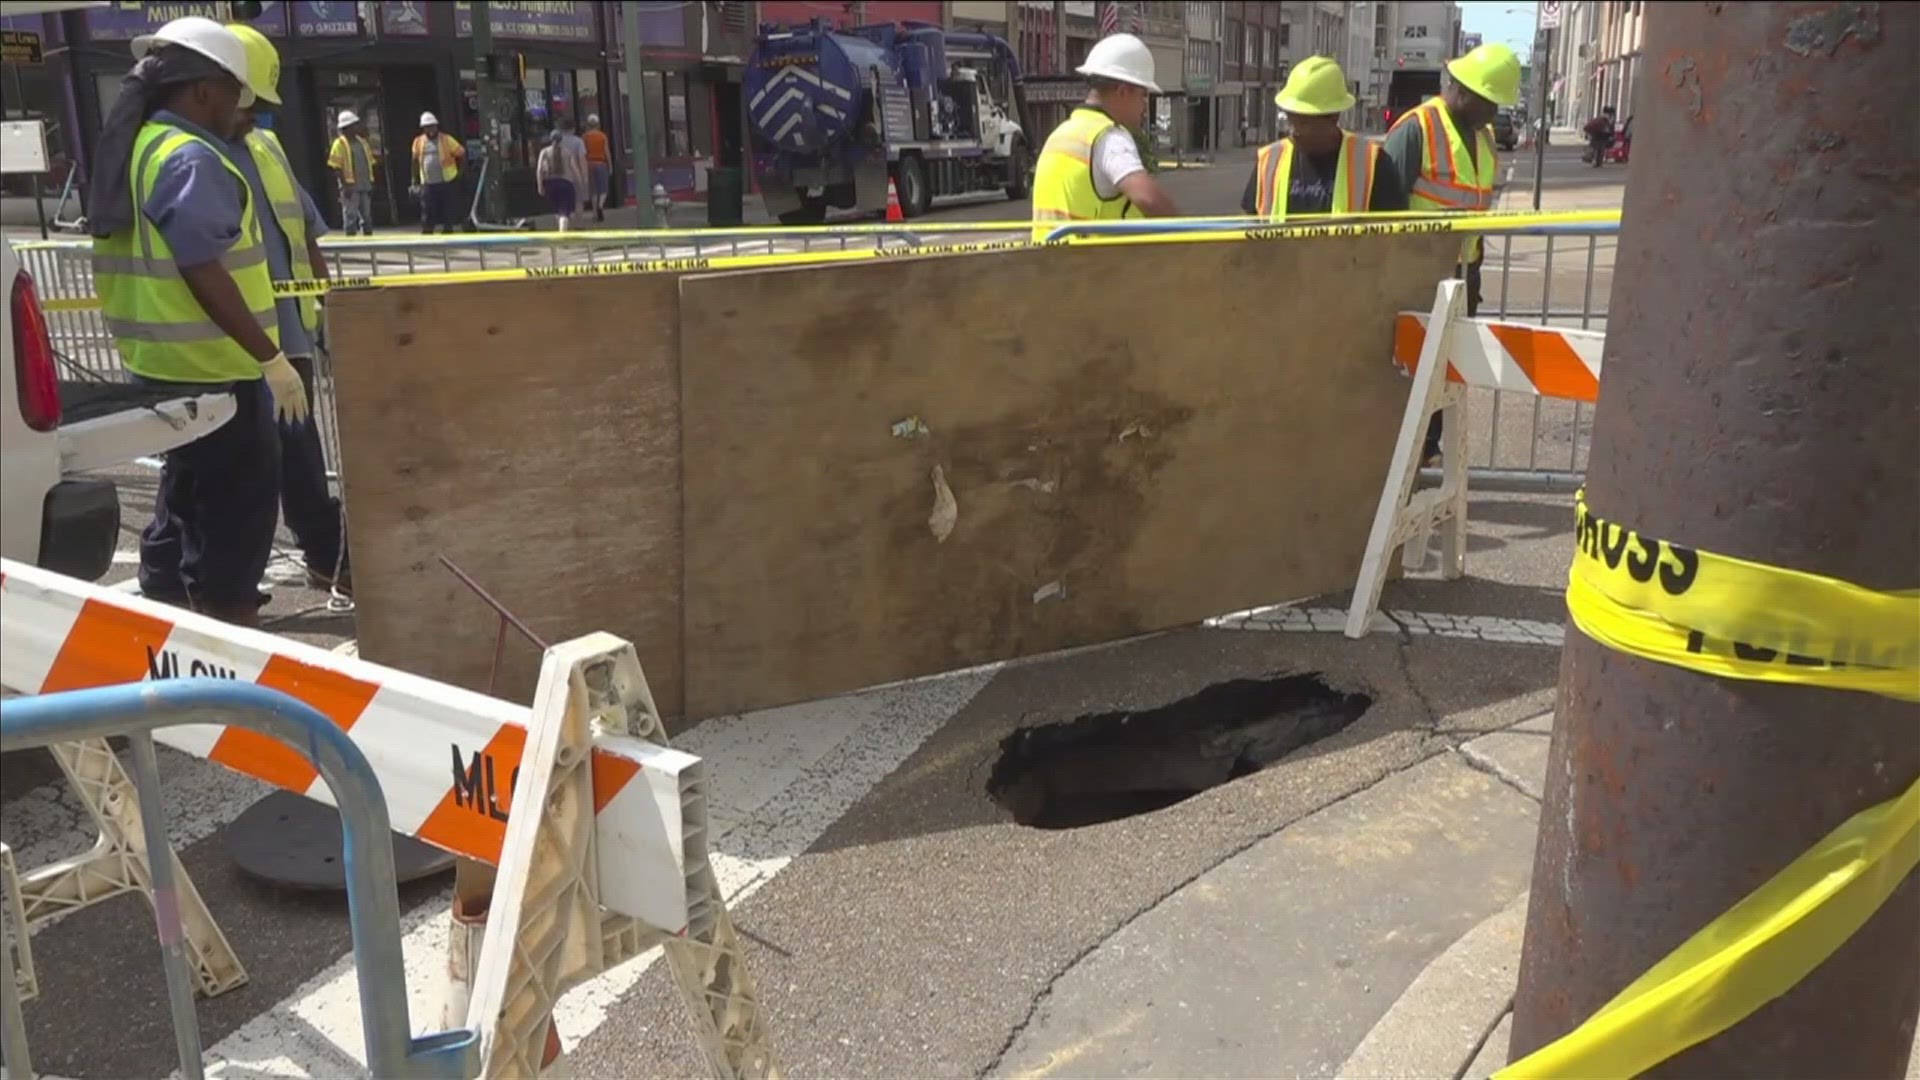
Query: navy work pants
[[313, 514], [440, 205], [216, 508], [1473, 308]]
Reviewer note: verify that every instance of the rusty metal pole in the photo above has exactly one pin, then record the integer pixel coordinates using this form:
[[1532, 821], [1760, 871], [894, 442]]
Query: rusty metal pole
[[1761, 400]]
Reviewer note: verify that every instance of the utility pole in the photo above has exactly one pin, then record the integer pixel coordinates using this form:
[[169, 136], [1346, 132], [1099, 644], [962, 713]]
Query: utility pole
[[1758, 402], [1543, 64], [637, 115], [493, 112], [1059, 36]]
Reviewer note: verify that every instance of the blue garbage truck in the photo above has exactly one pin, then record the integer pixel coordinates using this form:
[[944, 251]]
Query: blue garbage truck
[[835, 114]]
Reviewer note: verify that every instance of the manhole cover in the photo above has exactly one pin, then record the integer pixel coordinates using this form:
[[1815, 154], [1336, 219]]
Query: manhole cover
[[1107, 766]]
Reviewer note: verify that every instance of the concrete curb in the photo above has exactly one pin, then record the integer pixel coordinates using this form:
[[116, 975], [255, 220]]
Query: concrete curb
[[1439, 1024]]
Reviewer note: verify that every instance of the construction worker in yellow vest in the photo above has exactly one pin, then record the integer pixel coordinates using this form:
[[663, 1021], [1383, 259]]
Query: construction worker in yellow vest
[[1320, 168], [436, 174], [292, 233], [353, 159], [1090, 168], [1443, 149], [181, 269]]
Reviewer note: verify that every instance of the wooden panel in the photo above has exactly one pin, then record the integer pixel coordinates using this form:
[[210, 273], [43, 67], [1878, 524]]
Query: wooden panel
[[530, 432], [1134, 439]]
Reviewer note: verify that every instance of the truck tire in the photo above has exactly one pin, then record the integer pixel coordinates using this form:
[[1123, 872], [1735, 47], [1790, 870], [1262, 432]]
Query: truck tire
[[1022, 185], [812, 211], [916, 197]]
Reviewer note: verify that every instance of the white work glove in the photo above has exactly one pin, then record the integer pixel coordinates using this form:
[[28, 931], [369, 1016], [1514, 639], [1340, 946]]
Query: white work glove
[[289, 395]]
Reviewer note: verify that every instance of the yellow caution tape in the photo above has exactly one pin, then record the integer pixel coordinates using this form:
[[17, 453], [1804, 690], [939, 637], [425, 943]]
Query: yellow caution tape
[[1736, 619], [1306, 227], [918, 227], [1747, 957]]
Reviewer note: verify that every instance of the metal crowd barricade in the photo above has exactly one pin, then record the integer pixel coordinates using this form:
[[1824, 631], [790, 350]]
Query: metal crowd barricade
[[135, 710], [1533, 442]]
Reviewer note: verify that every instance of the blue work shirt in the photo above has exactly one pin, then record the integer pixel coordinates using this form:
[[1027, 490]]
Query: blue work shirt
[[195, 203], [294, 339]]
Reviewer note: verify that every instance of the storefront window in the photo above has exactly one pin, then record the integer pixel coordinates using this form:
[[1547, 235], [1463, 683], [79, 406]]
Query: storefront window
[[679, 135], [587, 96]]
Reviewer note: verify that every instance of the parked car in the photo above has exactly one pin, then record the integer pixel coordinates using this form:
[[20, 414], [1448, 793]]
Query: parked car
[[56, 426], [1506, 134]]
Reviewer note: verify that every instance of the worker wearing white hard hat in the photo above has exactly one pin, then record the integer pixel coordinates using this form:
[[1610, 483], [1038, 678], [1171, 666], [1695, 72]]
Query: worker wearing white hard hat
[[1319, 167], [1091, 167], [187, 295], [436, 171], [352, 159]]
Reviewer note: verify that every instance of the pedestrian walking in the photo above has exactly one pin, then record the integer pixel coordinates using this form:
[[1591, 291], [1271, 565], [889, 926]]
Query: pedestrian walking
[[560, 178], [181, 270], [599, 166], [1320, 168], [1443, 150], [352, 158], [437, 157], [1090, 168]]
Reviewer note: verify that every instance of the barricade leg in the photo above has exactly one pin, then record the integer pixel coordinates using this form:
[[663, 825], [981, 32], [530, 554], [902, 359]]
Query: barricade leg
[[118, 864], [1402, 518], [14, 989], [546, 931]]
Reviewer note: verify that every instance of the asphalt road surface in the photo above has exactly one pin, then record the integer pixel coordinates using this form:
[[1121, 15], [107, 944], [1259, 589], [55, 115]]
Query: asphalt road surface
[[903, 923]]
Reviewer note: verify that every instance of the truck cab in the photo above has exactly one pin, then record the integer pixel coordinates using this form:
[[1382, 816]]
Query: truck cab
[[59, 423]]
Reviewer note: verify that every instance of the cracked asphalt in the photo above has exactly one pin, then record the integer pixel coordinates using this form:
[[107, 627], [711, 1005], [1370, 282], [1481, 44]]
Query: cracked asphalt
[[918, 935]]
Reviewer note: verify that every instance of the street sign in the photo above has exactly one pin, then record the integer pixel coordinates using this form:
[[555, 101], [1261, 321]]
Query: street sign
[[23, 146], [1549, 14], [20, 47]]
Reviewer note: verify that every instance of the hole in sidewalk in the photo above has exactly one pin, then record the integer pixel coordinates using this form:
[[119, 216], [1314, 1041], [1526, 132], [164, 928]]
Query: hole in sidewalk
[[1107, 766]]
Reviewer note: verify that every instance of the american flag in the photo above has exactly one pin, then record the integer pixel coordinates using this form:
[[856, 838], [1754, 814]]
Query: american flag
[[1109, 18]]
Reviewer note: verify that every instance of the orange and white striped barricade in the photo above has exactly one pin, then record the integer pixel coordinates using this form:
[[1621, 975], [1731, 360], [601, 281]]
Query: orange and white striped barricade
[[1508, 356], [612, 861]]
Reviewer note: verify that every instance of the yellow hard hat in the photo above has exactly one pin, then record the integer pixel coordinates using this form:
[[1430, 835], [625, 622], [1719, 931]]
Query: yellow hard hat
[[1315, 87], [1492, 71], [263, 62]]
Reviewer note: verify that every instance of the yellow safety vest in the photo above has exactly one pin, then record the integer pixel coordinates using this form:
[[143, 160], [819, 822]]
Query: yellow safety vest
[[340, 159], [1352, 180], [283, 195], [1063, 177], [449, 157], [161, 330], [1449, 179]]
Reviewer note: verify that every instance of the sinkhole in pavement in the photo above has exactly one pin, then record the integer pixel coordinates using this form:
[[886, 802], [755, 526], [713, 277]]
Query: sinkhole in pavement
[[1112, 765]]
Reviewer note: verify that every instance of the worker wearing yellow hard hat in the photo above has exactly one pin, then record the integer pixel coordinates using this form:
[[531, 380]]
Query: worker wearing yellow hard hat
[[1443, 150], [1319, 168]]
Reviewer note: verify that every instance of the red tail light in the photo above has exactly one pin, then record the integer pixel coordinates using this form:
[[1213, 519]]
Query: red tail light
[[33, 362]]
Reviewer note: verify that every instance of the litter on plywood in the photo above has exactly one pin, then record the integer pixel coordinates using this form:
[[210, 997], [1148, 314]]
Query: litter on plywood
[[946, 511]]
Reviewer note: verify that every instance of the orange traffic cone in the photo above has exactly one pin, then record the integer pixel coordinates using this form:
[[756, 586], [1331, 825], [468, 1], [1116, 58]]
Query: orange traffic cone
[[893, 202]]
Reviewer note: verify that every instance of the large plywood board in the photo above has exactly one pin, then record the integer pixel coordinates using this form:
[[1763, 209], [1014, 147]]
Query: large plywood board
[[529, 431], [1133, 438]]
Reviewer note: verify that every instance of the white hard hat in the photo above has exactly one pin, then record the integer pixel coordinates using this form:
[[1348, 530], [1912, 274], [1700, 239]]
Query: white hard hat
[[427, 119], [347, 118], [593, 118], [209, 39], [1122, 58]]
